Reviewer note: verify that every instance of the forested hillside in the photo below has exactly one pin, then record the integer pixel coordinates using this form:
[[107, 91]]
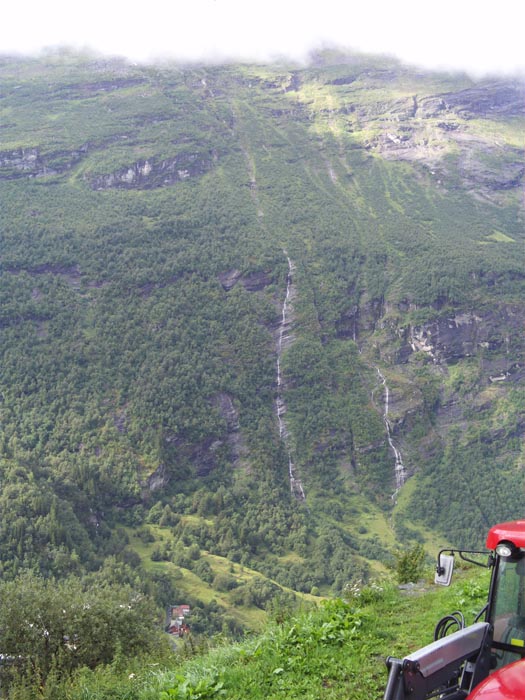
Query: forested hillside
[[260, 325]]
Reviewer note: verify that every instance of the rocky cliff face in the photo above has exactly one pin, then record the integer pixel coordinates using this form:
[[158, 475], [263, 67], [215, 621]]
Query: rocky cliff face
[[460, 365], [487, 99], [434, 131], [148, 174], [30, 162], [494, 333], [252, 282]]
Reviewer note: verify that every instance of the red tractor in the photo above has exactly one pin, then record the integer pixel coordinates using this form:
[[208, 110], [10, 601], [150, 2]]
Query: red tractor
[[485, 661]]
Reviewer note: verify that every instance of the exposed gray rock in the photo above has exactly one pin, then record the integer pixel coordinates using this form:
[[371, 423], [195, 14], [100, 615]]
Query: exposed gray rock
[[408, 133], [28, 162], [256, 281], [227, 410], [229, 279], [21, 159], [238, 448], [252, 282], [501, 98], [158, 480], [483, 332], [151, 173]]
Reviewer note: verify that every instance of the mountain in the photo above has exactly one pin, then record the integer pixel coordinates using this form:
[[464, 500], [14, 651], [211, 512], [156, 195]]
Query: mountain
[[261, 324]]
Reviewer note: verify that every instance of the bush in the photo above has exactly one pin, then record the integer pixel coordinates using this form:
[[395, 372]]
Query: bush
[[203, 570], [202, 689], [224, 582], [59, 627], [409, 564], [145, 535]]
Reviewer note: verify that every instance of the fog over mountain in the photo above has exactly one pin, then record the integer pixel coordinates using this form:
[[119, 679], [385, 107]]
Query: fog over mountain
[[460, 36]]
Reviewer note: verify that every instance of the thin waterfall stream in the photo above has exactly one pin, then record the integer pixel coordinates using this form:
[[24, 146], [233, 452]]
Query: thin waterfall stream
[[400, 475], [284, 339]]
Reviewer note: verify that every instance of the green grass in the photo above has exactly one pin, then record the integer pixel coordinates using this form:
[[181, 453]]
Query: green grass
[[433, 542], [500, 237], [188, 584], [335, 650]]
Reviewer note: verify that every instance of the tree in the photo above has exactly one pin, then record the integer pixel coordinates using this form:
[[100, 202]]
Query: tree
[[409, 564], [64, 625]]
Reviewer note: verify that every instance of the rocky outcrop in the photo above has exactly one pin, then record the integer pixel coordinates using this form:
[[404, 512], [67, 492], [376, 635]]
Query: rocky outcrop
[[495, 335], [29, 162], [488, 99], [252, 282], [409, 132], [238, 448], [343, 80], [71, 275], [158, 480], [229, 279], [32, 162], [484, 100], [21, 161], [223, 402], [256, 281], [487, 166], [152, 173], [295, 82], [478, 164]]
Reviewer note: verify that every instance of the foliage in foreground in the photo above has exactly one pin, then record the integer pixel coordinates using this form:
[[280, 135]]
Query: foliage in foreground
[[332, 651], [49, 629]]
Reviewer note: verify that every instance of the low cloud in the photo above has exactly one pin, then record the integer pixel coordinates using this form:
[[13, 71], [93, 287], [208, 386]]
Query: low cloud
[[451, 34]]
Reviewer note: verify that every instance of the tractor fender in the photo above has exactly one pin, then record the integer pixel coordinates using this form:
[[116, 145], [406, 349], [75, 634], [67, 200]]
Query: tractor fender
[[508, 683]]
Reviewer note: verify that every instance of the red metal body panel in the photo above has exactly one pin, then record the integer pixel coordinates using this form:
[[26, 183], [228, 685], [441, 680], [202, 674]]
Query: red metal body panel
[[512, 532], [506, 684]]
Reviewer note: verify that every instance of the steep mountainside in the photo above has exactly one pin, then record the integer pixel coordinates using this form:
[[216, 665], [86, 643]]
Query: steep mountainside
[[257, 318]]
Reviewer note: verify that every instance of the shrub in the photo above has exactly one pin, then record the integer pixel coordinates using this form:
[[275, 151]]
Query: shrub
[[409, 564], [224, 582], [59, 627]]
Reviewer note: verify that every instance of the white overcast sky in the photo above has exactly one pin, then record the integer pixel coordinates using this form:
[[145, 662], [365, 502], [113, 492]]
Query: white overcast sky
[[476, 35]]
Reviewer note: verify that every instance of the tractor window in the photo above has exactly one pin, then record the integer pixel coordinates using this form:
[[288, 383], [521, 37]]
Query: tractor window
[[508, 611]]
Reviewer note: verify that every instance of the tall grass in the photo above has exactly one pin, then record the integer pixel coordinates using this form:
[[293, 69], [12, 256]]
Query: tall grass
[[334, 651]]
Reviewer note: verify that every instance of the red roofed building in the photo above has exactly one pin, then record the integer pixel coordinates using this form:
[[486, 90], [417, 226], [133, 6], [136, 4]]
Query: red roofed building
[[176, 620]]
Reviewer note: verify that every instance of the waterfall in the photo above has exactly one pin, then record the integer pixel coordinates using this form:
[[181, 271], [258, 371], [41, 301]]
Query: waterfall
[[284, 339], [284, 336], [399, 467]]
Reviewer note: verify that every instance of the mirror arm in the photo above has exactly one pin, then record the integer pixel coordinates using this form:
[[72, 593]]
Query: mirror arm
[[489, 563], [440, 570]]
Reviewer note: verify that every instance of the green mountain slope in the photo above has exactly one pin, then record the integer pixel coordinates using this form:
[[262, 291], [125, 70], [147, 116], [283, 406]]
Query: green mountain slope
[[213, 277]]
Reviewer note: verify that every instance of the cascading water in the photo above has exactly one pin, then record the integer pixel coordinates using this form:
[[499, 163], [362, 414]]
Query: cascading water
[[284, 338], [399, 467]]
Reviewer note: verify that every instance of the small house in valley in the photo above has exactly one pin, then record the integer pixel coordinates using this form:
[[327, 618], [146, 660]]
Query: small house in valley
[[177, 620]]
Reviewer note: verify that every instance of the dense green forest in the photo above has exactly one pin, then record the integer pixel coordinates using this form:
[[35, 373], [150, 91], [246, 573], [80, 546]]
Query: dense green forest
[[172, 237]]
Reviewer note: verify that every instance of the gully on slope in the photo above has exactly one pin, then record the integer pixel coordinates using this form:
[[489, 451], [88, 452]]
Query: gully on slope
[[400, 475], [284, 339]]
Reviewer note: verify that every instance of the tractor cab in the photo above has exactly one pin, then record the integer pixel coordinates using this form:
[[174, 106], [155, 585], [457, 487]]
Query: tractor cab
[[506, 602], [505, 609], [476, 661]]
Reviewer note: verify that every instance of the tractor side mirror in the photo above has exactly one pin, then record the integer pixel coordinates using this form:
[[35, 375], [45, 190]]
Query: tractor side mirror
[[444, 569]]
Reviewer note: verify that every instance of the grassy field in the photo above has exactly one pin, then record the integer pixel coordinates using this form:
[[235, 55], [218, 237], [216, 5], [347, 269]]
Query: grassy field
[[335, 650]]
